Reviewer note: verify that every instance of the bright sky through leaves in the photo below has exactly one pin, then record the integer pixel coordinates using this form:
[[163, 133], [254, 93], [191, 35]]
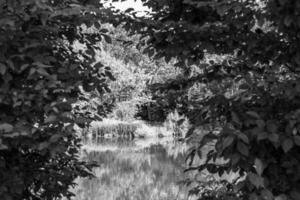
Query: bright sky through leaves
[[135, 4]]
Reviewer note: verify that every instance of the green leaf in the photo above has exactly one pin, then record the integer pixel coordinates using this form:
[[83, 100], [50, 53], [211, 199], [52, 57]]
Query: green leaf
[[129, 10], [2, 146], [242, 148], [2, 69], [281, 197], [271, 127], [5, 127], [273, 137], [55, 138], [262, 135], [287, 144], [256, 180], [110, 76], [266, 195], [259, 166], [50, 119], [107, 38], [190, 132], [235, 118], [43, 146], [227, 141], [243, 137], [253, 114], [295, 195], [98, 65], [297, 140]]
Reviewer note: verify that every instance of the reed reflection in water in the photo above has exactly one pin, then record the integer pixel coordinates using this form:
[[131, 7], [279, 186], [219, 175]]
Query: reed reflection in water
[[134, 170]]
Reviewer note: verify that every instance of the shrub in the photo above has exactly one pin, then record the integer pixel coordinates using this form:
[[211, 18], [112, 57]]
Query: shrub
[[176, 123], [124, 111], [41, 77], [260, 118]]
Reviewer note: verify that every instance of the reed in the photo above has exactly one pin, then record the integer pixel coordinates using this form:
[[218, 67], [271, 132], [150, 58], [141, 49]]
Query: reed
[[112, 128]]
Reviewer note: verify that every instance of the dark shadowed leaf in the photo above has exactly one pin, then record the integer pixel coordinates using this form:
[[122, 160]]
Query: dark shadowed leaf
[[242, 148], [287, 145]]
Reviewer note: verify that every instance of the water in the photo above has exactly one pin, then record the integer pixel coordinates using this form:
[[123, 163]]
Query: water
[[148, 169]]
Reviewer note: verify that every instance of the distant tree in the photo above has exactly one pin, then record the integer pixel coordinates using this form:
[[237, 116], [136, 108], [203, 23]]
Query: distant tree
[[42, 75], [260, 132]]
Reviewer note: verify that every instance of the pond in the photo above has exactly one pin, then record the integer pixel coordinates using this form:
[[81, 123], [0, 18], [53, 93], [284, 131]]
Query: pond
[[143, 169]]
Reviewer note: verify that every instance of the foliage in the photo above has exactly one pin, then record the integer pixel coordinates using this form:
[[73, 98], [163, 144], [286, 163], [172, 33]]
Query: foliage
[[113, 128], [42, 76], [260, 119], [124, 111], [178, 124], [133, 71]]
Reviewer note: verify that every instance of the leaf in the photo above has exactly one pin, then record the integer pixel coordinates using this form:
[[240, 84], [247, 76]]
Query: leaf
[[253, 114], [50, 119], [179, 122], [288, 20], [190, 132], [295, 195], [98, 65], [259, 166], [235, 118], [129, 10], [110, 76], [207, 139], [256, 180], [297, 140], [242, 148], [281, 197], [104, 30], [107, 39], [2, 69], [244, 86], [287, 145], [43, 145], [254, 196], [5, 127], [262, 135], [227, 141], [266, 195], [243, 137], [235, 158], [2, 146], [273, 137], [55, 138], [272, 127]]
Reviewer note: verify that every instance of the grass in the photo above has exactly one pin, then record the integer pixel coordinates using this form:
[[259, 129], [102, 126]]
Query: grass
[[116, 128], [175, 125], [112, 128]]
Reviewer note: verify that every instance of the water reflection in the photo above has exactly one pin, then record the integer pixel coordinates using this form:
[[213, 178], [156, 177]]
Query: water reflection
[[134, 170]]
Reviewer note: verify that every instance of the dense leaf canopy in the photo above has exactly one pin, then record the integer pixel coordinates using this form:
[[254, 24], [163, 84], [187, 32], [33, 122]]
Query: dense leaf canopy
[[42, 75], [258, 110], [253, 99]]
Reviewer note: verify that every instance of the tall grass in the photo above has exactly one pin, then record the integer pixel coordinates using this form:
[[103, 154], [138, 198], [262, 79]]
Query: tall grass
[[112, 128], [115, 128]]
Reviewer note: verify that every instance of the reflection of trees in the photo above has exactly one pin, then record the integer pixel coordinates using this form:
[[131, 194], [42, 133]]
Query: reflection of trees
[[148, 174]]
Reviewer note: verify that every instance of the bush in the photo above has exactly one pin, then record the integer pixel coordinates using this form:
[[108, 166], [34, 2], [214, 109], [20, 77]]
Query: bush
[[41, 77], [255, 90], [177, 124], [124, 111]]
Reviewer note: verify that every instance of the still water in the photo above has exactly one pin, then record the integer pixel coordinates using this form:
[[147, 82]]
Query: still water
[[144, 169]]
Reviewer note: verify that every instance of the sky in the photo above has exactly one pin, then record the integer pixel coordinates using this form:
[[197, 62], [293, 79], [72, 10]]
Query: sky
[[135, 4]]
